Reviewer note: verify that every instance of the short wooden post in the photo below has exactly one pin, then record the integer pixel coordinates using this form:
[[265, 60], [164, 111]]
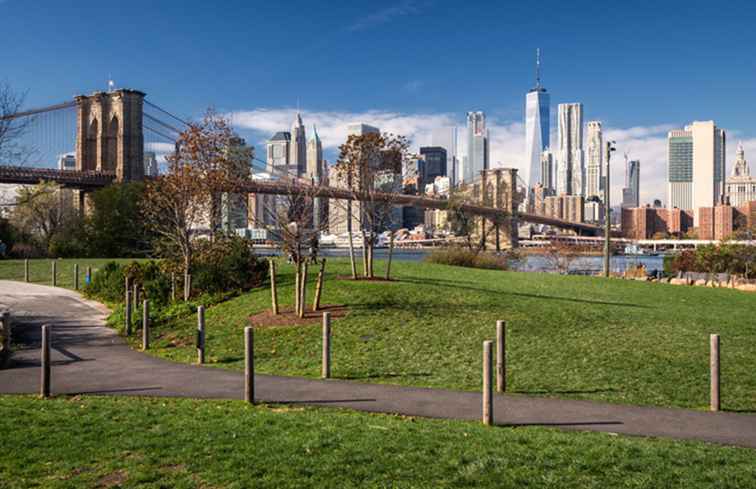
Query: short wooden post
[[201, 335], [54, 273], [714, 402], [326, 368], [273, 289], [88, 278], [129, 312], [501, 360], [319, 285], [249, 365], [187, 286], [487, 383], [76, 276], [145, 325], [26, 270], [45, 380]]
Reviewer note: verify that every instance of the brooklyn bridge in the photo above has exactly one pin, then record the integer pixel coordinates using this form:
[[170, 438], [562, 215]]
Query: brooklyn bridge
[[111, 131]]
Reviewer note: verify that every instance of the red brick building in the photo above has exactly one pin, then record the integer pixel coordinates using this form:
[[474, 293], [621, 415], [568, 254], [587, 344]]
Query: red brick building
[[715, 223]]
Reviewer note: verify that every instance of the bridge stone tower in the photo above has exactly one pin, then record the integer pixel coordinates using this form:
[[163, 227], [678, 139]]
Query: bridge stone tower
[[498, 188], [109, 133]]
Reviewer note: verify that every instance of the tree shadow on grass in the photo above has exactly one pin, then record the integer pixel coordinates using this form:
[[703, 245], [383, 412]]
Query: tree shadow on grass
[[382, 376], [540, 392], [457, 286]]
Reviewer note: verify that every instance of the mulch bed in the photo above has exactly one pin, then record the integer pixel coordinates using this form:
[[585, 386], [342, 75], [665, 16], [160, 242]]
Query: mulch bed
[[287, 317]]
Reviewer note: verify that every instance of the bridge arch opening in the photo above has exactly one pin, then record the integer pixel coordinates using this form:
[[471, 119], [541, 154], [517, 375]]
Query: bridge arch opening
[[91, 145], [110, 159]]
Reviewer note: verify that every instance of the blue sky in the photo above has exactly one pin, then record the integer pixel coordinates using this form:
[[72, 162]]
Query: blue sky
[[405, 64]]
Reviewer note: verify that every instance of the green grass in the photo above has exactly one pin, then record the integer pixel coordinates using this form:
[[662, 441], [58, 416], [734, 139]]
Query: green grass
[[40, 270], [579, 337], [160, 443]]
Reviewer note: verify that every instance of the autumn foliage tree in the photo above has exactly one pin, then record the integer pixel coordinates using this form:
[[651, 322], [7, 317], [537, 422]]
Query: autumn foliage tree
[[185, 201]]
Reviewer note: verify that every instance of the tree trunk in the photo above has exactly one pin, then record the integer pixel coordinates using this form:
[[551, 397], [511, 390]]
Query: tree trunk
[[319, 286], [273, 286], [364, 255], [303, 285], [351, 242], [297, 279], [391, 254]]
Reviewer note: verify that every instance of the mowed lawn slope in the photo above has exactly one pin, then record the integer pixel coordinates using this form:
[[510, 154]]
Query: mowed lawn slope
[[40, 270], [128, 442], [568, 336]]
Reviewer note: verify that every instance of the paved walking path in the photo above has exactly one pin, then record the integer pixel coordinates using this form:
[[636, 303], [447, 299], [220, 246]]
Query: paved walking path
[[89, 358]]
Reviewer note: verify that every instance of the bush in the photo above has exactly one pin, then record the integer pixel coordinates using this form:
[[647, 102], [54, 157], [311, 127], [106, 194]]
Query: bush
[[107, 283], [462, 257], [226, 265], [722, 258]]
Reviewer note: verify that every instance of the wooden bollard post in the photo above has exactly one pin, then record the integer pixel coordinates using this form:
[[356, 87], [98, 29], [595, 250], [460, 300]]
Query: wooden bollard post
[[26, 270], [127, 320], [76, 276], [319, 286], [273, 289], [54, 273], [297, 285], [45, 380], [326, 369], [146, 325], [714, 401], [249, 365], [303, 290], [487, 383], [201, 335], [501, 360]]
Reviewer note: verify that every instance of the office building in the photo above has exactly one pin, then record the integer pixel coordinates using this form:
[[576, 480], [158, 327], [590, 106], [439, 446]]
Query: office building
[[536, 127], [631, 190], [740, 186], [150, 164], [594, 174], [315, 167], [547, 171], [67, 162], [477, 146], [435, 163], [298, 147], [446, 137], [570, 170], [696, 166], [360, 129], [277, 153]]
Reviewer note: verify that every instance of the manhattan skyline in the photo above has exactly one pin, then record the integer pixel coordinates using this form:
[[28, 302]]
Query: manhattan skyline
[[641, 80]]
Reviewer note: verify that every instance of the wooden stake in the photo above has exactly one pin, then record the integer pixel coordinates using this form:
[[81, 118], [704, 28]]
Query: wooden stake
[[273, 286], [26, 270], [54, 273], [303, 284], [76, 276], [145, 325], [319, 285], [45, 360], [201, 335]]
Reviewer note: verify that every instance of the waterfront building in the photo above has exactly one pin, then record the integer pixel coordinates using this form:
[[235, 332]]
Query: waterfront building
[[695, 166], [570, 174], [631, 191], [537, 103], [594, 166], [740, 186], [477, 146]]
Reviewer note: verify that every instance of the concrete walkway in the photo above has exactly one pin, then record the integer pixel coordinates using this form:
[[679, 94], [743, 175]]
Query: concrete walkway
[[89, 358]]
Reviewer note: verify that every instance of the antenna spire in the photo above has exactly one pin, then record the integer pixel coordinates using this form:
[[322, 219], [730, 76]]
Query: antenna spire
[[538, 67]]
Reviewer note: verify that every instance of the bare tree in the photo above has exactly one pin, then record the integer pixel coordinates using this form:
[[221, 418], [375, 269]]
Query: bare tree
[[185, 201], [11, 128], [370, 166], [40, 213]]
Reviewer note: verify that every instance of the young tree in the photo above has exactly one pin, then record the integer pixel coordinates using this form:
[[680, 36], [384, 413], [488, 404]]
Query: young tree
[[115, 226], [185, 201], [370, 166], [40, 213]]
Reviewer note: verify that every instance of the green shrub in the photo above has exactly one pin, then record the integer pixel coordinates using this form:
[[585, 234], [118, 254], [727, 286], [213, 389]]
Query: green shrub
[[107, 283], [717, 258], [226, 265], [463, 257]]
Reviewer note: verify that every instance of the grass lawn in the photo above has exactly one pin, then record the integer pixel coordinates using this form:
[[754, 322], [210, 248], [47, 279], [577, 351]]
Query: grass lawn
[[40, 270], [129, 442], [568, 336]]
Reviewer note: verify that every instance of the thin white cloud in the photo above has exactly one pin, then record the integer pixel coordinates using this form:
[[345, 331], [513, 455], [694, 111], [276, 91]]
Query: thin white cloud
[[406, 7]]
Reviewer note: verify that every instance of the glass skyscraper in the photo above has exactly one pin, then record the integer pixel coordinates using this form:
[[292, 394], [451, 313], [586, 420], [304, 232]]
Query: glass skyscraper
[[536, 127], [477, 146]]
